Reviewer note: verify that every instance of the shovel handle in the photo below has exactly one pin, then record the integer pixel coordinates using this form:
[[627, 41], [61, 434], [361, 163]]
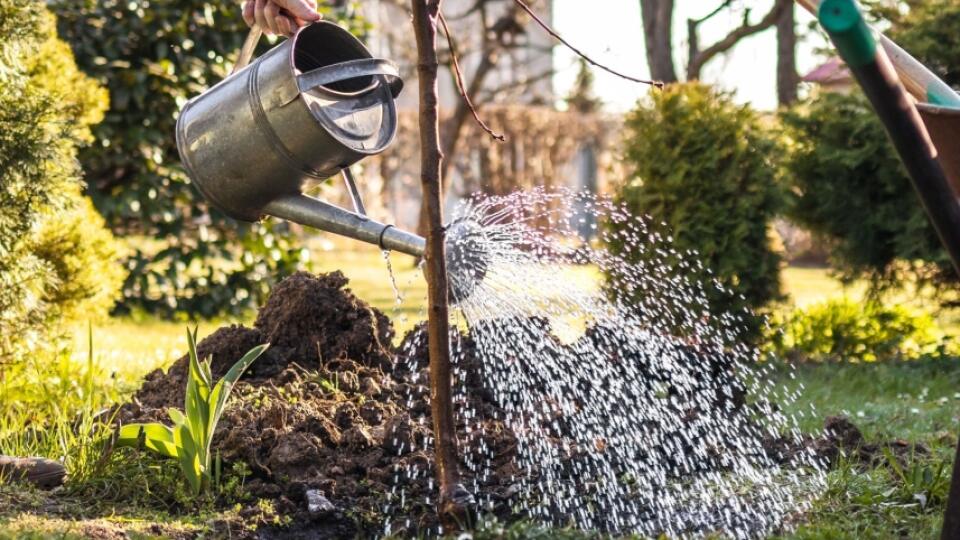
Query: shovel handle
[[246, 51], [922, 83]]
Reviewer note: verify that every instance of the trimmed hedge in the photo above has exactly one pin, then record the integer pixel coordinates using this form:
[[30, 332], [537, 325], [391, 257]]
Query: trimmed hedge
[[702, 173]]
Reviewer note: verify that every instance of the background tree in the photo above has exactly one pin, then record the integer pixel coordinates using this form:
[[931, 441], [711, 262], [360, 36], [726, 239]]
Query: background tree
[[847, 184], [787, 77], [698, 56], [57, 262], [658, 18], [702, 173], [153, 56]]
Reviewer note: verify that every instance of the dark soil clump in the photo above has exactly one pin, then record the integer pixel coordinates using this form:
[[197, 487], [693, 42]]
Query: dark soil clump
[[308, 314], [308, 320], [841, 436]]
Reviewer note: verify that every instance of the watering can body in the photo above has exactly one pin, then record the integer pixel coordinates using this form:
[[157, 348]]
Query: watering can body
[[309, 108]]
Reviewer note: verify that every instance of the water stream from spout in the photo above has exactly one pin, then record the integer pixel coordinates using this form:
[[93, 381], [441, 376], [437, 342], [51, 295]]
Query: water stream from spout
[[393, 277]]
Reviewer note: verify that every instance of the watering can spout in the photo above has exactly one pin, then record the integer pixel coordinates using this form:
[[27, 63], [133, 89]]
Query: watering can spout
[[331, 218], [465, 254]]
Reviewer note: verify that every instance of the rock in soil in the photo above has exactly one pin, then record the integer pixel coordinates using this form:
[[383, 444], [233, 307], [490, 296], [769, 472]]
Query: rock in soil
[[41, 472]]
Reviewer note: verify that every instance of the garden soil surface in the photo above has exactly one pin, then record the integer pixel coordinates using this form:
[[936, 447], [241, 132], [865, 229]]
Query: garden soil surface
[[331, 419]]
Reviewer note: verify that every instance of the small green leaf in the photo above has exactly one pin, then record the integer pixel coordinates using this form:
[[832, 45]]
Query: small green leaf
[[177, 416], [221, 392], [189, 460], [156, 437]]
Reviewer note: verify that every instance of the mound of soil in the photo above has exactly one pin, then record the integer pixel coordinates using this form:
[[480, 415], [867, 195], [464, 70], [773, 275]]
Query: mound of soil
[[333, 420], [328, 419], [842, 437], [307, 319]]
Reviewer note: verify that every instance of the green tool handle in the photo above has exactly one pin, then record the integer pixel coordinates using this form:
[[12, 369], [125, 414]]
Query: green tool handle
[[922, 83]]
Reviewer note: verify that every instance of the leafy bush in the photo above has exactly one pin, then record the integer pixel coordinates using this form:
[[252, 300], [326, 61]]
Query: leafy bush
[[55, 260], [702, 173], [189, 440], [847, 184], [84, 261], [153, 56], [844, 330]]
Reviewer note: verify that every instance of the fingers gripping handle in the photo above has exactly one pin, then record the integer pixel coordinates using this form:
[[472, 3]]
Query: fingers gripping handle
[[353, 69]]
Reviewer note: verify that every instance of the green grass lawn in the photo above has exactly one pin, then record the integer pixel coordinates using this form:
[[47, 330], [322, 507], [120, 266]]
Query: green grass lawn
[[917, 401]]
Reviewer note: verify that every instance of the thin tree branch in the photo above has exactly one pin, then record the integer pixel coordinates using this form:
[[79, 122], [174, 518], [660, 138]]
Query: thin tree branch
[[548, 29], [712, 14], [697, 62], [459, 77]]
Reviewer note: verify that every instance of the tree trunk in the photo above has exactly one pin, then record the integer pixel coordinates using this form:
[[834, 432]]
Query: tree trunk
[[453, 129], [787, 78], [658, 36], [451, 502]]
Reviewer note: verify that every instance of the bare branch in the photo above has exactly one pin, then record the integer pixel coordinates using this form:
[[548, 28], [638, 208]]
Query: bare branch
[[460, 86], [547, 28], [699, 58], [712, 14]]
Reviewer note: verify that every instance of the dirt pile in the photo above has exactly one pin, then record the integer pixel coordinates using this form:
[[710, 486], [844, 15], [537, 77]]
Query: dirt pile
[[307, 319], [329, 420], [333, 420], [842, 437]]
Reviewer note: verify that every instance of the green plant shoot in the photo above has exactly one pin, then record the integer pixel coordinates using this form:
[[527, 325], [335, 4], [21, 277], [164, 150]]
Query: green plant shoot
[[189, 439]]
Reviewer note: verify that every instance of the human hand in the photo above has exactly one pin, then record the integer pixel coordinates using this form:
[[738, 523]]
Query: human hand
[[281, 17]]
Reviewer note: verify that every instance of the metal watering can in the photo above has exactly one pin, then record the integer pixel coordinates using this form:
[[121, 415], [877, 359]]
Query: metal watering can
[[306, 110]]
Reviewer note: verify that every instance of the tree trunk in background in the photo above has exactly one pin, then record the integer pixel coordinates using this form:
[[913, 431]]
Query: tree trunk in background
[[787, 78], [658, 37], [450, 503]]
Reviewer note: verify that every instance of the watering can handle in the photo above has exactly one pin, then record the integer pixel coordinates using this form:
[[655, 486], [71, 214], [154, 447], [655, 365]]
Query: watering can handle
[[353, 69], [246, 51]]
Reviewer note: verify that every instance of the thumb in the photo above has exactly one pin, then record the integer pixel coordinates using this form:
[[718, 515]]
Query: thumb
[[301, 9]]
